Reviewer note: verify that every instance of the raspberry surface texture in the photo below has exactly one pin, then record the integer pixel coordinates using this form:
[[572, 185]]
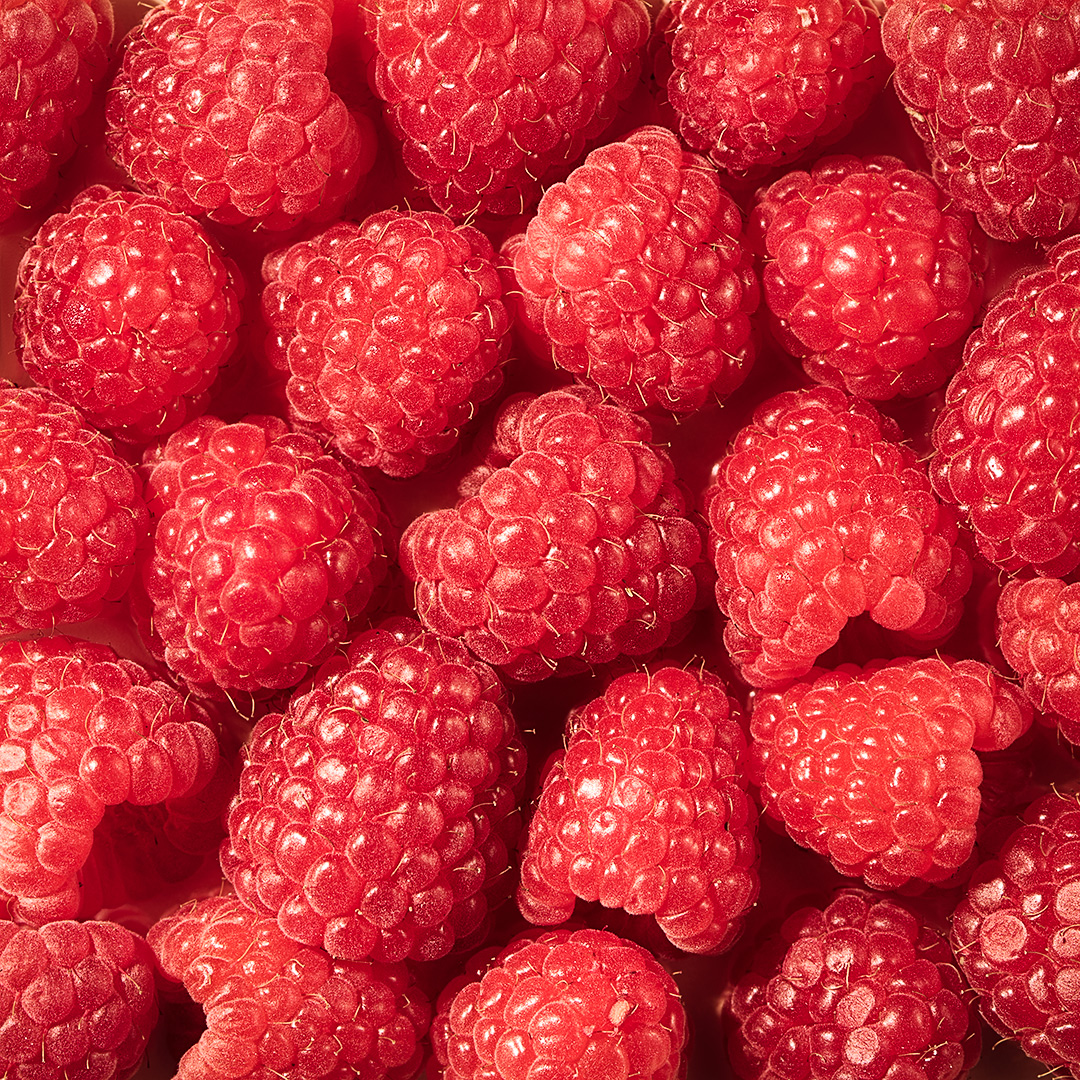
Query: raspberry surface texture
[[576, 549], [858, 989], [871, 276], [275, 1007], [126, 309], [563, 1003], [817, 515], [636, 272], [490, 101], [647, 810], [875, 768], [374, 818], [393, 332], [223, 108], [263, 547]]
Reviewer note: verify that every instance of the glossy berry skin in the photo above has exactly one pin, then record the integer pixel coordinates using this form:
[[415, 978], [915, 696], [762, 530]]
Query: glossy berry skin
[[263, 547], [1005, 446], [576, 548], [72, 514], [273, 1006], [126, 309], [223, 108], [493, 100], [875, 768], [393, 331], [647, 810], [563, 1003], [375, 816], [636, 272], [52, 56], [857, 989], [871, 276], [817, 515], [990, 88]]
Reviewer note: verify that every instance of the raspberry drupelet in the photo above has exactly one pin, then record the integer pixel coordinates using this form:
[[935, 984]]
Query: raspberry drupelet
[[871, 277], [647, 810], [126, 309], [564, 1003], [263, 547], [393, 331], [636, 275], [577, 548], [818, 515]]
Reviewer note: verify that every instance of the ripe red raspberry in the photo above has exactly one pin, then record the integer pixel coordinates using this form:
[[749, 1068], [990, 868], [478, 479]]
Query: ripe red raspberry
[[52, 55], [71, 514], [277, 1008], [1006, 451], [875, 767], [817, 515], [574, 1004], [490, 100], [577, 551], [374, 817], [126, 310], [989, 86], [859, 989], [392, 331], [636, 273], [871, 276], [222, 108], [647, 810]]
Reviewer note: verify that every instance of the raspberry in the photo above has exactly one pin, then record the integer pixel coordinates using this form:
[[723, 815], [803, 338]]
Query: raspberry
[[222, 107], [817, 516], [635, 271], [375, 815], [647, 810], [758, 85], [392, 332], [871, 277], [71, 514], [275, 1007], [126, 310], [491, 99], [1005, 444], [875, 767], [581, 1003], [576, 552], [79, 1000], [989, 87], [52, 55], [263, 548], [858, 989]]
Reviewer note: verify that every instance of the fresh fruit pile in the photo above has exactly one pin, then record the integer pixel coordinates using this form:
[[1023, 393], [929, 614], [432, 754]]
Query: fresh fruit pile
[[539, 540]]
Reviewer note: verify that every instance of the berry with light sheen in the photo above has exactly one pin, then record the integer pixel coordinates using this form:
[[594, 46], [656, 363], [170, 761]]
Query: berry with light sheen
[[392, 332], [647, 810], [636, 275]]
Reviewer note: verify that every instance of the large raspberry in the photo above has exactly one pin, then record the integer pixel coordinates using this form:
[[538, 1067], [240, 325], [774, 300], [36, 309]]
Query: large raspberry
[[51, 56], [577, 551], [126, 309], [817, 515], [392, 331], [875, 768], [562, 1004], [491, 99], [871, 276], [222, 107], [636, 273], [275, 1008], [263, 548], [1006, 448]]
